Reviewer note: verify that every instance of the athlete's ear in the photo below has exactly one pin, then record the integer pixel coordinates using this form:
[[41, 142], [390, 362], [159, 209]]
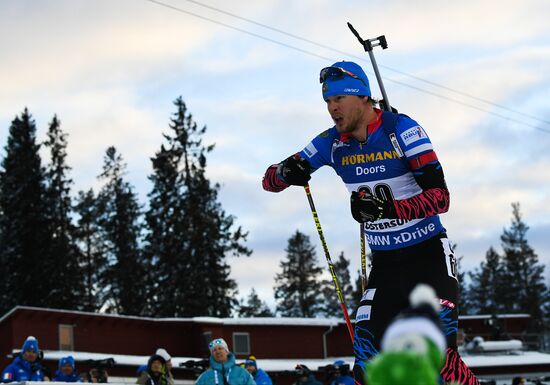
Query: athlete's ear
[[366, 99]]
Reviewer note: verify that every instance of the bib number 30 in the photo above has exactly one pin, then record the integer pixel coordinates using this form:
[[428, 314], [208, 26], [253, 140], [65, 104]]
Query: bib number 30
[[381, 191]]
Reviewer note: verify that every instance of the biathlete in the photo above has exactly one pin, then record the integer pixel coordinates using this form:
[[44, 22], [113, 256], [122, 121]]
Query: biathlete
[[398, 190]]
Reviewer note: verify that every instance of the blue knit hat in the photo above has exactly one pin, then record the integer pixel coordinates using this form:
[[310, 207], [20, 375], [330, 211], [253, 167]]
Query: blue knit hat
[[251, 361], [351, 81], [218, 342], [66, 360], [339, 363], [31, 343]]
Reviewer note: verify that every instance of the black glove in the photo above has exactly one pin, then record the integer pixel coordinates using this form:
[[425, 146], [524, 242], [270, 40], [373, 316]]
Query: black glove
[[365, 207], [294, 170]]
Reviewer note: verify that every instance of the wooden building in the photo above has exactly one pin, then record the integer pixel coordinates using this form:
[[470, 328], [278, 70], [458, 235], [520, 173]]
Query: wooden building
[[132, 339]]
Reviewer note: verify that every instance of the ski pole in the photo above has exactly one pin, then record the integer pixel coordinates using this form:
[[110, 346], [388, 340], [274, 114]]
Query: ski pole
[[329, 261], [363, 259], [368, 45]]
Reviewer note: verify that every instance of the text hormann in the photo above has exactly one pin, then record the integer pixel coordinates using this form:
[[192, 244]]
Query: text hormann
[[365, 158]]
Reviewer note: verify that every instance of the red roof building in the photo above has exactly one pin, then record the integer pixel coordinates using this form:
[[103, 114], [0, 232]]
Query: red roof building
[[130, 340]]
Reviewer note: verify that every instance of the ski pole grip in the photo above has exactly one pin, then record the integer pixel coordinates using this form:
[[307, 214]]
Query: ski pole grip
[[383, 42], [365, 43]]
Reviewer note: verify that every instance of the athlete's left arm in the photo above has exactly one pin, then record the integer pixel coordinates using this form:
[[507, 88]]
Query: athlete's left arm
[[434, 198]]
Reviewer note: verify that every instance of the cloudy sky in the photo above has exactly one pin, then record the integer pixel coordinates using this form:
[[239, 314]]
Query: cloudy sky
[[474, 74]]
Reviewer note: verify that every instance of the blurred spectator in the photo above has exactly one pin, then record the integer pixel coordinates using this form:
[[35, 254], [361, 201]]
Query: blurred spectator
[[518, 381], [305, 376], [98, 372], [67, 371], [260, 376], [168, 358], [141, 369], [341, 374], [98, 376], [155, 373], [26, 366], [223, 370]]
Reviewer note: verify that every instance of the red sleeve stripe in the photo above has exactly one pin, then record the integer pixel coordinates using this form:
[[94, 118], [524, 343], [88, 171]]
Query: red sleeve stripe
[[421, 160]]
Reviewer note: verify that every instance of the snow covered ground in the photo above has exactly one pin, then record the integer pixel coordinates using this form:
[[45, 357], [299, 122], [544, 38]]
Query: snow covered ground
[[507, 360], [474, 361], [507, 379], [500, 380]]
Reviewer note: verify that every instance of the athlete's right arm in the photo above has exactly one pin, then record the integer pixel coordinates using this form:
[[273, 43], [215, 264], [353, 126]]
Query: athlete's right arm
[[297, 169], [294, 170]]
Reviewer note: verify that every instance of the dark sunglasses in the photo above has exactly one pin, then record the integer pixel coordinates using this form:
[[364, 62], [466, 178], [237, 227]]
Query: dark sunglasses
[[335, 73]]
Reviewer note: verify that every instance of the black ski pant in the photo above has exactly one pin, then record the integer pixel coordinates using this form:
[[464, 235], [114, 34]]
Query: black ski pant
[[393, 276]]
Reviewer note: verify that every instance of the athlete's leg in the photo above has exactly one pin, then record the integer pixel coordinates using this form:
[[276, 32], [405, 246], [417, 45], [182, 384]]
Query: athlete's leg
[[444, 281], [455, 370], [379, 305]]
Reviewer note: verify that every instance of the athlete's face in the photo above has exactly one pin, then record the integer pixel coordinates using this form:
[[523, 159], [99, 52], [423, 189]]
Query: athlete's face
[[347, 111]]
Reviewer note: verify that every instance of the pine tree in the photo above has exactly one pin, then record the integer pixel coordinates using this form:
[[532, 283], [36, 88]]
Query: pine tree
[[119, 220], [164, 246], [254, 307], [330, 306], [524, 275], [92, 252], [189, 234], [23, 223], [297, 286], [62, 255], [486, 288]]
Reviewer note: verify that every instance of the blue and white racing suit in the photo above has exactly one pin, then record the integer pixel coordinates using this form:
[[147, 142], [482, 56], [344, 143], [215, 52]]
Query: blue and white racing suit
[[408, 249]]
